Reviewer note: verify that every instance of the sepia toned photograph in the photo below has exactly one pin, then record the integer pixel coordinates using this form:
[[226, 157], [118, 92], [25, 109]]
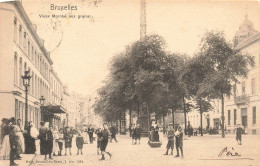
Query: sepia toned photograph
[[129, 83]]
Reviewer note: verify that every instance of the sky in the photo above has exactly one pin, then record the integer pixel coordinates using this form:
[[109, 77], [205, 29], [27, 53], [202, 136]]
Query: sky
[[82, 49]]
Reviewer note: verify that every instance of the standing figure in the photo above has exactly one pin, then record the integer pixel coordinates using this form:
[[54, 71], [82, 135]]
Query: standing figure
[[50, 141], [90, 133], [68, 139], [79, 142], [189, 129], [16, 134], [137, 132], [19, 124], [55, 149], [104, 141], [239, 132], [60, 142], [5, 149], [43, 136], [179, 139], [170, 144], [154, 132], [113, 132], [13, 142], [133, 133], [32, 134], [98, 133]]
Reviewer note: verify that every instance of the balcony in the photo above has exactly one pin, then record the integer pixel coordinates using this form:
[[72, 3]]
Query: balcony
[[244, 99]]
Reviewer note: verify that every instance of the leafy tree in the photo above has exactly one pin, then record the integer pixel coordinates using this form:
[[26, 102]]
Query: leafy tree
[[225, 65]]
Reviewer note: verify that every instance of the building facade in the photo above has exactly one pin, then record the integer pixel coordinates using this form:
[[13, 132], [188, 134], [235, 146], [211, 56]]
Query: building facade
[[243, 106], [22, 50]]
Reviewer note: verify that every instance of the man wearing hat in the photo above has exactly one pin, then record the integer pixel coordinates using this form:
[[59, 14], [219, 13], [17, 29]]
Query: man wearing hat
[[170, 143], [239, 132], [179, 139]]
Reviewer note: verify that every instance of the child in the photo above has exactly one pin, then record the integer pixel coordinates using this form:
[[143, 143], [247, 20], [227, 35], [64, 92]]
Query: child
[[79, 142], [170, 136], [137, 133], [60, 142], [68, 139], [98, 132]]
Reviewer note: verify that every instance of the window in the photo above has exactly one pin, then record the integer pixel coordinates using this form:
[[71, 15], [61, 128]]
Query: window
[[15, 69], [243, 88], [253, 86], [17, 116], [24, 40], [20, 35], [235, 116], [15, 28], [235, 90], [32, 55], [29, 50], [229, 116], [20, 72], [32, 84], [254, 115]]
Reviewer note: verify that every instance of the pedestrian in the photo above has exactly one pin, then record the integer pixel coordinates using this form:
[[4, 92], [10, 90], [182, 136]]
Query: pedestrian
[[137, 132], [189, 128], [5, 148], [113, 132], [68, 140], [13, 142], [98, 133], [21, 129], [32, 134], [179, 139], [170, 136], [60, 142], [133, 133], [16, 134], [85, 136], [55, 149], [90, 133], [239, 132], [104, 141], [43, 136], [79, 142]]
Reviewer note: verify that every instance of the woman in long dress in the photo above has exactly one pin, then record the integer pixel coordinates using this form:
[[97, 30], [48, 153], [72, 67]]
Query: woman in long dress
[[20, 133], [85, 136], [55, 149], [5, 150], [43, 140]]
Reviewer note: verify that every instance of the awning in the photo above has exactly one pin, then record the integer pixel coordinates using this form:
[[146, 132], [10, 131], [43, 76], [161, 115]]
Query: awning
[[54, 108]]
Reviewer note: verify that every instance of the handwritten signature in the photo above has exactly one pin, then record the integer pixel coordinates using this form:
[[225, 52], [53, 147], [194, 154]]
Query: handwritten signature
[[227, 152]]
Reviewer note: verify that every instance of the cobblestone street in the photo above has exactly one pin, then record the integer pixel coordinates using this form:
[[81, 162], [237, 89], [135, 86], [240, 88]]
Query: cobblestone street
[[197, 151]]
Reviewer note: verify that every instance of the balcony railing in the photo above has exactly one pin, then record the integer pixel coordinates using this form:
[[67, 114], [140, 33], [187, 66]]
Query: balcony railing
[[244, 99]]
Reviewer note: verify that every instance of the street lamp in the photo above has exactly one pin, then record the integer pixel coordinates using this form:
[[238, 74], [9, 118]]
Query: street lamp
[[26, 83], [42, 99]]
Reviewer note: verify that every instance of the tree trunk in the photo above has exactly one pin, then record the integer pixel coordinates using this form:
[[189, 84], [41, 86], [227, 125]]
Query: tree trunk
[[130, 116], [185, 121], [138, 109], [222, 116], [149, 116], [201, 111], [173, 117], [124, 122], [120, 122]]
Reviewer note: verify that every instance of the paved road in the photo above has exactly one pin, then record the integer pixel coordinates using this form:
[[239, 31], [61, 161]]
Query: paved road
[[197, 151]]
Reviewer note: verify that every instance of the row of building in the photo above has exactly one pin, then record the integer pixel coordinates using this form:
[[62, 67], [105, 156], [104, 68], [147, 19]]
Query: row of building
[[23, 50], [243, 106]]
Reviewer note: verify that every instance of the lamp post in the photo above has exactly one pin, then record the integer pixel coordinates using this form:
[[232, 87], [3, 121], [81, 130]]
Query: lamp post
[[26, 83], [42, 99]]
